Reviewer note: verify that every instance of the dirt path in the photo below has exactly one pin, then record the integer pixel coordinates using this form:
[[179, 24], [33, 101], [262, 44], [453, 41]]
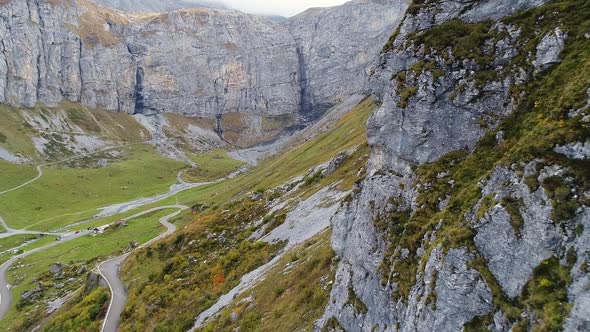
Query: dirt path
[[40, 167], [108, 269]]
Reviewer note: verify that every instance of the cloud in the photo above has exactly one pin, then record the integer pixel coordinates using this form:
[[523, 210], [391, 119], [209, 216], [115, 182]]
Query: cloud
[[279, 7]]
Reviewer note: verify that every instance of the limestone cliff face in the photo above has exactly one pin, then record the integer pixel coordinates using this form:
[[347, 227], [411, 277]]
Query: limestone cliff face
[[431, 242], [209, 62], [54, 50], [336, 46], [247, 72], [158, 6], [201, 62]]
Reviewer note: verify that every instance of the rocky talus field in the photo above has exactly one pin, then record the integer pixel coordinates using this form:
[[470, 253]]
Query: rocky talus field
[[382, 165]]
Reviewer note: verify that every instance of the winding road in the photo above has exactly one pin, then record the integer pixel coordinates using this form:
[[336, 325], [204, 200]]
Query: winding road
[[109, 270], [11, 231], [5, 297]]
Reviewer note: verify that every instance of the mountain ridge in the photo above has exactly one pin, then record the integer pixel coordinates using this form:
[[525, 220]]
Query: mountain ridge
[[248, 71]]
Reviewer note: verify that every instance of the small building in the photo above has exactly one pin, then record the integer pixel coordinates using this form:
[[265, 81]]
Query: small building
[[101, 229]]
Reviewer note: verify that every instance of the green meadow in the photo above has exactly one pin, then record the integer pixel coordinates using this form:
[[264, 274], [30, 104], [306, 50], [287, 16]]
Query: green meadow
[[65, 195], [88, 250]]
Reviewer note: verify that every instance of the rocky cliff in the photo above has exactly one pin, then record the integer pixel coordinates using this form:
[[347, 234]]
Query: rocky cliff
[[197, 62], [245, 71], [337, 45], [158, 6], [473, 214]]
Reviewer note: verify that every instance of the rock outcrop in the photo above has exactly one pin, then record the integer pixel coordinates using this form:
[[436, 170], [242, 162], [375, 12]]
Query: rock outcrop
[[336, 46], [549, 49], [425, 250]]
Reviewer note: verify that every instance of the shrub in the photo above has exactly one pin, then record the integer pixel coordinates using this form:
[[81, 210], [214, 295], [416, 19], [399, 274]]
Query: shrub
[[405, 94], [512, 205], [532, 182], [546, 295], [564, 206]]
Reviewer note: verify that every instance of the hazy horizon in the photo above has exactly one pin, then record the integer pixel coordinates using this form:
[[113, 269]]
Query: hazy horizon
[[285, 8]]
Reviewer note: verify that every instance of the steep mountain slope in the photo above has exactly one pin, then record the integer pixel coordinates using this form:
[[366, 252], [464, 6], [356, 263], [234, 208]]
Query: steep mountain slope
[[338, 44], [243, 71], [158, 6], [474, 211]]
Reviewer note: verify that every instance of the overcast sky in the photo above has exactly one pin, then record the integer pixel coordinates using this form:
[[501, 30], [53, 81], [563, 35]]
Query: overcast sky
[[279, 7]]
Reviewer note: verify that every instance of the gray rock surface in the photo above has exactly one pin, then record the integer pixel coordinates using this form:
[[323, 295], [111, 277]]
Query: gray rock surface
[[159, 6], [549, 49], [404, 135], [361, 250], [337, 44], [7, 156], [577, 150], [579, 292], [461, 293], [246, 72], [46, 60], [511, 257], [216, 62], [56, 268]]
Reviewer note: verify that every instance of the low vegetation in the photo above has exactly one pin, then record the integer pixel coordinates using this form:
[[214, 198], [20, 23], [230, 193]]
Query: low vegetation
[[292, 296], [79, 257], [211, 166], [84, 312], [546, 295], [544, 118], [190, 270], [236, 127], [142, 172]]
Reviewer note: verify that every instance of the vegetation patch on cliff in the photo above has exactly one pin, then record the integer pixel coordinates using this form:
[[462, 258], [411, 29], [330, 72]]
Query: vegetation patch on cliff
[[292, 296], [550, 112]]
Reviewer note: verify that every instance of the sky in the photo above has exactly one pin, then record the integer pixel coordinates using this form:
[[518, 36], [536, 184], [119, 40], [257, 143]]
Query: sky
[[279, 7]]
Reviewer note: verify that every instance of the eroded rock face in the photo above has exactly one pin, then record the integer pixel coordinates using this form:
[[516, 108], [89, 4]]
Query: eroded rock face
[[425, 114], [549, 50], [198, 62], [254, 77], [579, 293], [577, 150], [158, 6], [512, 253], [336, 45], [209, 62], [46, 60], [461, 293]]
